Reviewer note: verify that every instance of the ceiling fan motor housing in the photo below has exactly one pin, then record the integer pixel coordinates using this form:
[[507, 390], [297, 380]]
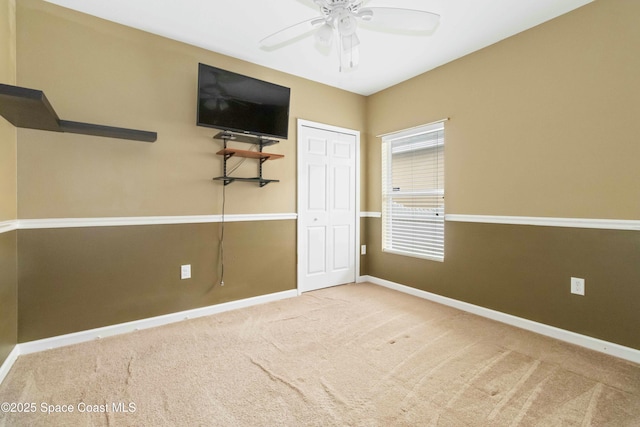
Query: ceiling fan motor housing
[[329, 6]]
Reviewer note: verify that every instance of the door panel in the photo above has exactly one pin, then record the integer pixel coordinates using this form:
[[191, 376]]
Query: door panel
[[317, 250], [341, 249], [317, 146], [342, 188], [341, 150], [317, 188]]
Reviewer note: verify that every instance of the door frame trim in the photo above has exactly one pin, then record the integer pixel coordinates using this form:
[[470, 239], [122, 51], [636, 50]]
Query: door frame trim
[[356, 250]]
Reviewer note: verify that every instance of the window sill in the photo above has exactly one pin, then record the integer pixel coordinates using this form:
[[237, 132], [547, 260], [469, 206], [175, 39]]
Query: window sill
[[414, 255]]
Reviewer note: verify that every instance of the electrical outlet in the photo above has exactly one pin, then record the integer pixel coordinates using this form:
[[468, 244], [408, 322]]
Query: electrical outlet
[[363, 250], [577, 286], [185, 271]]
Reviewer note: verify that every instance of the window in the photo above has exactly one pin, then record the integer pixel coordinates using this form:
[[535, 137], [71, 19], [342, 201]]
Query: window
[[413, 192]]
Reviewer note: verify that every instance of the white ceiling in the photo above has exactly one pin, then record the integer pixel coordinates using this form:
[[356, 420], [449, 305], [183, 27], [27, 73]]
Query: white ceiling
[[234, 28]]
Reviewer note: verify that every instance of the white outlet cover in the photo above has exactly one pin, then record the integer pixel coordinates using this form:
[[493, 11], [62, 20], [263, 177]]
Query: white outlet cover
[[577, 286], [185, 271]]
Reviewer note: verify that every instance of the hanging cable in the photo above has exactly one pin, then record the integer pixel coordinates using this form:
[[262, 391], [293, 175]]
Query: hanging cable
[[222, 238], [240, 162]]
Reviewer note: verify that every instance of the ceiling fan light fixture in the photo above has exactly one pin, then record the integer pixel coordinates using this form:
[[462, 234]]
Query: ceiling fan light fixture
[[350, 42], [324, 35], [346, 23]]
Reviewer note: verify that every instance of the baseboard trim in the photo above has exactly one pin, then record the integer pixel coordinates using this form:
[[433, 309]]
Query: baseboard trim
[[617, 350], [8, 362], [152, 322]]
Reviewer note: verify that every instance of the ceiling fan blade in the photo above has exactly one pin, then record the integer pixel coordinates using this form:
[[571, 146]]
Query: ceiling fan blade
[[290, 34], [392, 19]]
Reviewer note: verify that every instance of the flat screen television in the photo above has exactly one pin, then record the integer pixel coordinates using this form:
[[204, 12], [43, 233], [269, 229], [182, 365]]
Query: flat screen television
[[233, 102]]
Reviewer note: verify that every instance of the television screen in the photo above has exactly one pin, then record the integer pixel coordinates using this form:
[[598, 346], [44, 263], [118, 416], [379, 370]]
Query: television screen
[[230, 101]]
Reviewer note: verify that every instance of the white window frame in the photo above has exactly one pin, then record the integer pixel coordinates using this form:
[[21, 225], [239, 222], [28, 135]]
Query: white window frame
[[415, 232]]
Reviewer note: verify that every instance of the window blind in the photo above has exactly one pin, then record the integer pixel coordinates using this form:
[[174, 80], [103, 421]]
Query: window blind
[[413, 192]]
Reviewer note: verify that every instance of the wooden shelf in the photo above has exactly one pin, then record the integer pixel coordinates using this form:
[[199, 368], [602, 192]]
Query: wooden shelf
[[228, 152], [30, 108]]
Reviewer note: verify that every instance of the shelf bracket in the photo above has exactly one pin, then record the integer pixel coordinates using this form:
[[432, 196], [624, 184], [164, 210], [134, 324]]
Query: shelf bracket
[[261, 142]]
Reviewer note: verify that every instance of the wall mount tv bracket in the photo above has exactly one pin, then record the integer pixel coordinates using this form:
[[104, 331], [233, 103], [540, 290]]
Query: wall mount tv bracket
[[29, 108]]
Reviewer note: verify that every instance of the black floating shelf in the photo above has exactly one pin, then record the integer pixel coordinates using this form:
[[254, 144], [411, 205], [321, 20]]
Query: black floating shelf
[[249, 139], [230, 179], [29, 108]]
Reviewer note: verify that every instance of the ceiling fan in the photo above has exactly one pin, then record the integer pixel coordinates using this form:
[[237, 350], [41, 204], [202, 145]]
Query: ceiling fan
[[339, 19]]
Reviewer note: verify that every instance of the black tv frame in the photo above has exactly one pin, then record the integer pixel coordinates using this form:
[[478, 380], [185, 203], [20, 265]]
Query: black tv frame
[[253, 130]]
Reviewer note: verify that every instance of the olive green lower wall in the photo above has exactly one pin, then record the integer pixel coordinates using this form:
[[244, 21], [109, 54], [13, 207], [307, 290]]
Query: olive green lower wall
[[525, 271], [8, 294], [74, 279], [364, 266]]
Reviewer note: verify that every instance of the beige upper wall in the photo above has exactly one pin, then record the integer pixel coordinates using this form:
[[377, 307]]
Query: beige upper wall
[[100, 72], [8, 37], [8, 138], [544, 123]]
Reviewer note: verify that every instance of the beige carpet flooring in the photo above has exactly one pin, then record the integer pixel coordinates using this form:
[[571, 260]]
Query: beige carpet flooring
[[353, 355]]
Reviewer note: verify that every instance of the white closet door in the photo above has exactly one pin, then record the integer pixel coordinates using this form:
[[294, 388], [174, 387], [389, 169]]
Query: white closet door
[[326, 208]]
